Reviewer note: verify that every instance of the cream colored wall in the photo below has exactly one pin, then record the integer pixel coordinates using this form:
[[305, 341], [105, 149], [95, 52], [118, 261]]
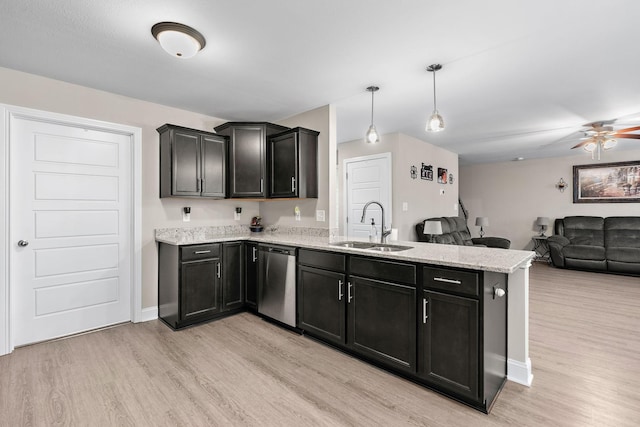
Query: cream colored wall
[[423, 197], [514, 194], [27, 90], [281, 212]]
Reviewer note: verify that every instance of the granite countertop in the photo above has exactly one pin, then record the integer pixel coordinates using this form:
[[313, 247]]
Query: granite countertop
[[476, 258]]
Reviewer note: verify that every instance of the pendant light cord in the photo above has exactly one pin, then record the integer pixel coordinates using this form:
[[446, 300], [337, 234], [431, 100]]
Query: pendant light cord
[[372, 107], [435, 108]]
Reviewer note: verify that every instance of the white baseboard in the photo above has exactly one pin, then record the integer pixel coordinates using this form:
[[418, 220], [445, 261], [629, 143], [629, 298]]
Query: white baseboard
[[149, 313], [519, 372]]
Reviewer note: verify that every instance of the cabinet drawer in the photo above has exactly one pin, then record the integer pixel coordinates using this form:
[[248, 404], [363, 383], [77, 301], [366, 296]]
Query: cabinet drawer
[[195, 252], [455, 281], [322, 259], [383, 270]]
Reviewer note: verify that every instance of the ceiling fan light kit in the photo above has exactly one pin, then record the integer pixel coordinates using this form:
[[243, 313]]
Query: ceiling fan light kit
[[601, 138], [435, 123], [178, 40], [372, 137]]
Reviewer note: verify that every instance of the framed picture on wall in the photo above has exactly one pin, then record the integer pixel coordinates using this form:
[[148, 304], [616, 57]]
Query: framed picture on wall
[[426, 172], [607, 183], [442, 176]]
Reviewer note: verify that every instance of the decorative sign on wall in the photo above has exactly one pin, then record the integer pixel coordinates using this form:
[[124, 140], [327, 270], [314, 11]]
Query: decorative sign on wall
[[426, 172], [414, 172], [442, 176]]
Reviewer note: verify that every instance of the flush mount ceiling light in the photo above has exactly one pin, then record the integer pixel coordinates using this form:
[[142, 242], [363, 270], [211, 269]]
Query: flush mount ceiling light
[[177, 39], [435, 123], [372, 136]]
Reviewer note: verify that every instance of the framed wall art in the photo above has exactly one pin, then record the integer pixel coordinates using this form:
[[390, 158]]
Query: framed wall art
[[426, 172], [442, 176], [607, 183]]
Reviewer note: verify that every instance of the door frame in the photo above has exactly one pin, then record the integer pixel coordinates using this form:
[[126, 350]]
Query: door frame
[[7, 113], [384, 156]]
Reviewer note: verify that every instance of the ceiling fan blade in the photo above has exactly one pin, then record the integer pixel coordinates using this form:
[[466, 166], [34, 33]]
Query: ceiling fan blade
[[631, 129], [627, 135], [583, 143]]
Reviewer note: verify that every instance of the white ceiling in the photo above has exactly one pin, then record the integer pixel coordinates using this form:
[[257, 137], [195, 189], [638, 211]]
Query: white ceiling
[[519, 77]]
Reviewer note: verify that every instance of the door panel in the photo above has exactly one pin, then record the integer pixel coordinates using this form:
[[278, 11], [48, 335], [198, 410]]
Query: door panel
[[199, 294], [71, 201], [368, 178], [185, 164], [214, 154]]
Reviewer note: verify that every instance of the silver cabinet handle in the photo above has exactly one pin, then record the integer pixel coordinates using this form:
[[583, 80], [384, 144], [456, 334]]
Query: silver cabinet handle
[[201, 252], [23, 243], [441, 279], [202, 185], [255, 255], [261, 185], [218, 270], [340, 294], [349, 296], [425, 316], [293, 184]]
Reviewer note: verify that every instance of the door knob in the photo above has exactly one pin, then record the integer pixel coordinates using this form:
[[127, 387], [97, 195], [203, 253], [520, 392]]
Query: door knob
[[23, 243]]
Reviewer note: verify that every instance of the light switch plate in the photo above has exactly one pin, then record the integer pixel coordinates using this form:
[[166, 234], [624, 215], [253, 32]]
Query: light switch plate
[[405, 206], [320, 216]]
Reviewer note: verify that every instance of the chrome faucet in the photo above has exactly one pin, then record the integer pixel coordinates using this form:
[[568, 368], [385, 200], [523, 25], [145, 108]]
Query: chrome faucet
[[385, 233]]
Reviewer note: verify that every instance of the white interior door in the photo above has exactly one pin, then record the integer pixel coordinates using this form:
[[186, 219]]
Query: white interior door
[[71, 227], [366, 179]]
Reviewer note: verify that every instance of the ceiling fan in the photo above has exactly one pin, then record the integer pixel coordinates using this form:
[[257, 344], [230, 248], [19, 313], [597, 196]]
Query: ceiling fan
[[600, 136]]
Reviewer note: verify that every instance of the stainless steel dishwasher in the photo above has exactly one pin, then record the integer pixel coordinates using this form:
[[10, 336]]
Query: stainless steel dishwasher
[[277, 283]]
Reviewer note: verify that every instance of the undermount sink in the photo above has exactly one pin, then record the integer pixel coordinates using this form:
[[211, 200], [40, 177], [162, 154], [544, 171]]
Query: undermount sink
[[378, 247], [389, 248], [355, 245]]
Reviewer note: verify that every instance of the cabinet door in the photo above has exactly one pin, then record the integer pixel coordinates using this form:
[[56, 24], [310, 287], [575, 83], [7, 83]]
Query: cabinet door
[[321, 303], [200, 288], [382, 321], [283, 165], [251, 275], [247, 161], [232, 276], [186, 164], [213, 159], [449, 350]]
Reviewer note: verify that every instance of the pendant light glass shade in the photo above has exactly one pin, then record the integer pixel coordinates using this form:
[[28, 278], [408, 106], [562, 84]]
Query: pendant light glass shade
[[435, 123], [372, 137], [178, 40]]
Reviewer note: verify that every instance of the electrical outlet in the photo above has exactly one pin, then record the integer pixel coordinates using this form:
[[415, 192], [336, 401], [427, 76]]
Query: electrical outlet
[[186, 214], [455, 207], [236, 214], [296, 211], [320, 216], [405, 206]]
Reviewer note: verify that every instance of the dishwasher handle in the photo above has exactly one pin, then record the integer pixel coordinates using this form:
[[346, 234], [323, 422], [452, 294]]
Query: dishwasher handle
[[280, 251]]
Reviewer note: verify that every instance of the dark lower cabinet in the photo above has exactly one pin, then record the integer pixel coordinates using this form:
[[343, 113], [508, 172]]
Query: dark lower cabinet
[[197, 283], [251, 276], [232, 275], [449, 349], [462, 334], [382, 321], [321, 303]]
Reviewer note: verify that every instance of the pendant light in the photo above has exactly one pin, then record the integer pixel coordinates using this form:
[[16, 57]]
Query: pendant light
[[435, 123], [178, 40], [372, 136]]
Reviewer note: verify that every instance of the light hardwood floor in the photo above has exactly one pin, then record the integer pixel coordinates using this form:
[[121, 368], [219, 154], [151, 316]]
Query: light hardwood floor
[[585, 348]]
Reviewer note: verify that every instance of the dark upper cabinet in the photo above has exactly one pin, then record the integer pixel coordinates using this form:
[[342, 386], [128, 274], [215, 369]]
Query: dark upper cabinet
[[192, 163], [251, 275], [232, 275], [293, 164], [247, 160]]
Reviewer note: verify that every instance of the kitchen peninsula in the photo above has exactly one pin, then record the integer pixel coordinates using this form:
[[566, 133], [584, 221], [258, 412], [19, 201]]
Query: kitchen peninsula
[[399, 310]]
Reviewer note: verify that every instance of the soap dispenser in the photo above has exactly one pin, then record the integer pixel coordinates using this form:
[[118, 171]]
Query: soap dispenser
[[373, 234]]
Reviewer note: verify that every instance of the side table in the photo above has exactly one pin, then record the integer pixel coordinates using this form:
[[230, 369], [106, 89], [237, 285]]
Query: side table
[[541, 248]]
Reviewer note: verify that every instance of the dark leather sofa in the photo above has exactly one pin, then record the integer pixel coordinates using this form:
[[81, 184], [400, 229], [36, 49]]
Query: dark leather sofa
[[456, 232], [609, 244]]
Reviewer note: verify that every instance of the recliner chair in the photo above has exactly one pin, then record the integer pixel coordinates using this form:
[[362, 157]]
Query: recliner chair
[[456, 232]]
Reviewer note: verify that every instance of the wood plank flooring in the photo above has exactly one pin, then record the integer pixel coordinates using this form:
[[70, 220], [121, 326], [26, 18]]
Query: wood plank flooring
[[585, 349]]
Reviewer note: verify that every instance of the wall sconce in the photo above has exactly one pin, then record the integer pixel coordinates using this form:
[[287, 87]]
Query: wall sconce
[[561, 185]]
